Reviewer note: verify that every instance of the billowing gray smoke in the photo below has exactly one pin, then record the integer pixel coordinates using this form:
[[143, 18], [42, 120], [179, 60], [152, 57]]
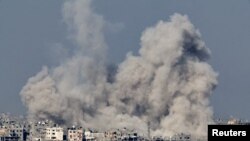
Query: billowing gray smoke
[[168, 83]]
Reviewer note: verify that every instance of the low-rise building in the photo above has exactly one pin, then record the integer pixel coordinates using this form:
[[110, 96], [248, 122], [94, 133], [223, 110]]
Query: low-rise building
[[121, 135], [6, 136], [89, 135], [37, 130], [54, 134], [75, 134], [17, 131]]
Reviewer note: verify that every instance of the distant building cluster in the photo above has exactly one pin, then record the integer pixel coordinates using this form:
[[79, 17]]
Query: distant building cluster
[[19, 129]]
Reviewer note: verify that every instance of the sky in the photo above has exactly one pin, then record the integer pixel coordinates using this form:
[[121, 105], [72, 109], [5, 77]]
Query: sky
[[32, 31]]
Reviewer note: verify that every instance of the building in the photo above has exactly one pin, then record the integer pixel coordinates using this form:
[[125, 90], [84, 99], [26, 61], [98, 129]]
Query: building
[[8, 138], [37, 130], [18, 131], [5, 136], [89, 136], [121, 135], [14, 133], [54, 134], [93, 136], [75, 134]]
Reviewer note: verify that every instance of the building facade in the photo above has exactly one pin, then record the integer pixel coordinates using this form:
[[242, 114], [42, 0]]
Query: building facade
[[54, 134], [75, 134]]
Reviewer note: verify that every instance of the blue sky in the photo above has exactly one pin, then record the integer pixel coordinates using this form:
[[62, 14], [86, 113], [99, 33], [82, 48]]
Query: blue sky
[[31, 31]]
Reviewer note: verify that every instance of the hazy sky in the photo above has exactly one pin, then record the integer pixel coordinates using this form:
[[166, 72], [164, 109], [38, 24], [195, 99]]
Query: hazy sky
[[32, 31]]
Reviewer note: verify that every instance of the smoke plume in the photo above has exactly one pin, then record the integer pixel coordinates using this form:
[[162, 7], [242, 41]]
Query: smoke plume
[[168, 84]]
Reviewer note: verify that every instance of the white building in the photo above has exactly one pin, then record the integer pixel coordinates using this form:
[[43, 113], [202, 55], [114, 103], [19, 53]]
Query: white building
[[54, 134], [75, 134], [89, 136], [93, 136]]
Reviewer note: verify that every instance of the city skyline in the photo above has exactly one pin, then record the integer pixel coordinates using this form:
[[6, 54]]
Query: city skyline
[[31, 37]]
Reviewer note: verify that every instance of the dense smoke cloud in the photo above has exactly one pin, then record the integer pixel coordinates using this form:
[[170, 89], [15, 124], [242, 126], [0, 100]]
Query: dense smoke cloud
[[168, 83], [73, 91]]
